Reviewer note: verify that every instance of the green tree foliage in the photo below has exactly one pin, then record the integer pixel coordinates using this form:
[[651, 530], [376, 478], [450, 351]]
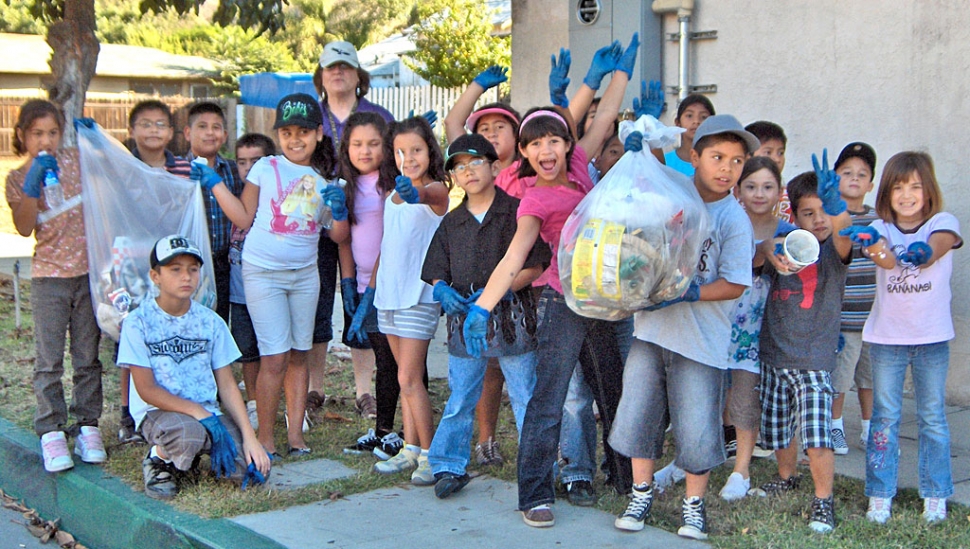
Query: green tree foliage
[[454, 42], [16, 17]]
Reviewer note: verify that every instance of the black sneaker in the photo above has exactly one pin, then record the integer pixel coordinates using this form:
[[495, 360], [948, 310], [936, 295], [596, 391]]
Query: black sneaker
[[839, 445], [780, 485], [823, 515], [730, 441], [637, 511], [580, 493], [449, 483], [160, 480], [389, 446], [695, 519], [365, 444], [127, 434]]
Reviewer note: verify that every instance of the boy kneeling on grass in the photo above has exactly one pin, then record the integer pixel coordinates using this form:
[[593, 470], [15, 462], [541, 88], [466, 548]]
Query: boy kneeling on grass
[[178, 352]]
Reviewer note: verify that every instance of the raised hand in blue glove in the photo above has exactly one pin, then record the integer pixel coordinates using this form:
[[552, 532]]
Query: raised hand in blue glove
[[633, 143], [348, 295], [918, 254], [693, 293], [629, 58], [404, 187], [222, 453], [84, 123], [431, 116], [34, 180], [253, 477], [334, 197], [828, 185], [451, 301], [475, 330], [206, 176], [650, 102], [604, 62], [863, 236], [492, 76], [557, 79], [356, 330]]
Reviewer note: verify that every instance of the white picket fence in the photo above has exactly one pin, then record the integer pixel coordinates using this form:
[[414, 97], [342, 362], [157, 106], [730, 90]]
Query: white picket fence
[[399, 101]]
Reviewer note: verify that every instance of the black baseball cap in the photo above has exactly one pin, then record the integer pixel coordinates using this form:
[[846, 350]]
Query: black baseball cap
[[858, 150], [472, 144], [298, 109]]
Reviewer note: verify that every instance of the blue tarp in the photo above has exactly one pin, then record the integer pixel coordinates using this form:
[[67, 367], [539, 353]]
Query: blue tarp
[[265, 89]]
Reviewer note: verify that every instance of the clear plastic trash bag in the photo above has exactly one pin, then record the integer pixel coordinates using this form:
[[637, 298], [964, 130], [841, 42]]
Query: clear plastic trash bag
[[128, 206], [635, 239]]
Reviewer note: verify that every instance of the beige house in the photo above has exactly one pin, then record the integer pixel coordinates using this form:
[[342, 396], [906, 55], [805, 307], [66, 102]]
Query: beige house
[[121, 71], [892, 74]]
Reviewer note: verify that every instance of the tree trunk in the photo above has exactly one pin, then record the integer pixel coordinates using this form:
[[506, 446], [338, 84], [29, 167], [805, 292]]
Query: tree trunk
[[73, 62]]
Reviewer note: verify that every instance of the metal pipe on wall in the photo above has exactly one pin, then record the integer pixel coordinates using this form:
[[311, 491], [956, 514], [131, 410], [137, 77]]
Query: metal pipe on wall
[[683, 9]]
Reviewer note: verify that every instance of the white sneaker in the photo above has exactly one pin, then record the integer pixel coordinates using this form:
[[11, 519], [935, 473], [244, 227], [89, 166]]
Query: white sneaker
[[89, 446], [880, 509], [934, 509], [405, 460], [736, 487], [56, 456], [422, 476], [251, 412], [667, 477]]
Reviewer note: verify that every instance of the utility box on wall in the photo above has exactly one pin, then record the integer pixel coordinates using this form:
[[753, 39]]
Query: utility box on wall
[[595, 23]]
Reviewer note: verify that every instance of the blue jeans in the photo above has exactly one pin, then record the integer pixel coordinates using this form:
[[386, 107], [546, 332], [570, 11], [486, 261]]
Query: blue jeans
[[450, 448], [930, 364], [564, 338], [577, 439]]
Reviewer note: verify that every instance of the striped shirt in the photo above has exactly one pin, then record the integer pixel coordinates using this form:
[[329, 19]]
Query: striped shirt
[[860, 280]]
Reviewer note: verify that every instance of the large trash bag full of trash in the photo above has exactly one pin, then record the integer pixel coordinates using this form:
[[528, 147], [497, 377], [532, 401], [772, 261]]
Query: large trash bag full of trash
[[635, 239], [128, 206]]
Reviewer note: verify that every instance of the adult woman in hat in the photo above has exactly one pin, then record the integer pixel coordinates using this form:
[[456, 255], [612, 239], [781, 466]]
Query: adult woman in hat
[[342, 85]]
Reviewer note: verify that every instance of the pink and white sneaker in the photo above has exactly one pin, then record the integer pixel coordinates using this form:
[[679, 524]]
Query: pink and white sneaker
[[89, 446], [56, 456]]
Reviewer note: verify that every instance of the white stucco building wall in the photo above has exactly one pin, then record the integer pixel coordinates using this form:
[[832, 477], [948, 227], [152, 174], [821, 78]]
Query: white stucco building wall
[[893, 74]]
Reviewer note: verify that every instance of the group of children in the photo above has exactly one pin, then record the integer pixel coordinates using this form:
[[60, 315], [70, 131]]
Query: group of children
[[754, 347]]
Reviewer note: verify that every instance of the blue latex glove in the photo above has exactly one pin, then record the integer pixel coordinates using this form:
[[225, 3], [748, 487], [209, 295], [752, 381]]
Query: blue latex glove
[[779, 249], [476, 330], [863, 236], [828, 186], [206, 176], [693, 293], [451, 301], [604, 61], [223, 452], [404, 187], [633, 143], [431, 116], [492, 76], [334, 197], [253, 477], [34, 180], [651, 102], [84, 123], [918, 253], [364, 308], [474, 297], [348, 294], [557, 79], [629, 58]]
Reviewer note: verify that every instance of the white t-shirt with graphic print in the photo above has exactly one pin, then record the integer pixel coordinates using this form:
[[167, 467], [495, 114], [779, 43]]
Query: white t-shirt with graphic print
[[286, 230], [912, 304], [182, 352]]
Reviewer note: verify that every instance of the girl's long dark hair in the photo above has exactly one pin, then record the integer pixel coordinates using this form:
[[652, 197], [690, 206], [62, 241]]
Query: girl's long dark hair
[[29, 112], [346, 169], [419, 126], [323, 160], [542, 126]]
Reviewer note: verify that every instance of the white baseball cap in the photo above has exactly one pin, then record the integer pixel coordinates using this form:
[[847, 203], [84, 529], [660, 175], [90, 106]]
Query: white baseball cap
[[172, 246], [339, 52]]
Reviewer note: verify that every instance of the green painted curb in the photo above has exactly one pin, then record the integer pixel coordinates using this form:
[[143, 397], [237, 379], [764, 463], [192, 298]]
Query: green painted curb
[[104, 513]]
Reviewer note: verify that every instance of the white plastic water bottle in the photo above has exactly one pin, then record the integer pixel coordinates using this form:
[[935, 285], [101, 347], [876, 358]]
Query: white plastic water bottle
[[53, 192]]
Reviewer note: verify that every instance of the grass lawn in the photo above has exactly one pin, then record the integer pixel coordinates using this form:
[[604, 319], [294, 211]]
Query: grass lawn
[[779, 522]]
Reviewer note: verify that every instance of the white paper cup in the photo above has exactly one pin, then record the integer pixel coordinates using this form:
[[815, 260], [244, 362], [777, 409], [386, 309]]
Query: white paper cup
[[801, 248]]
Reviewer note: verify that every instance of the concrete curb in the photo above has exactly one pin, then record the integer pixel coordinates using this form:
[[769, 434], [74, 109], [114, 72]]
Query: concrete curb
[[101, 511]]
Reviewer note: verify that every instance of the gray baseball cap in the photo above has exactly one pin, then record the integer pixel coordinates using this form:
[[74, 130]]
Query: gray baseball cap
[[725, 123]]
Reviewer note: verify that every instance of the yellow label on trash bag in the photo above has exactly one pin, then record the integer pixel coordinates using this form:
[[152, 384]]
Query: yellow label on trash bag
[[596, 260]]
